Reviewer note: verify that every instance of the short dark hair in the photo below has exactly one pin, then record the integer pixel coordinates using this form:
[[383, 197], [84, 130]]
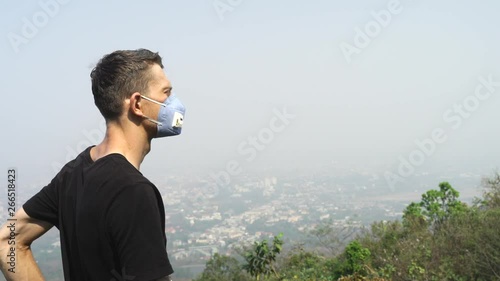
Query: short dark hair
[[120, 74]]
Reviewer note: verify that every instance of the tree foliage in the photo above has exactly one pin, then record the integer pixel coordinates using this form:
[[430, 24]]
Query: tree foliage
[[333, 239], [222, 268], [439, 238], [439, 205], [356, 258], [260, 261], [491, 194], [436, 206]]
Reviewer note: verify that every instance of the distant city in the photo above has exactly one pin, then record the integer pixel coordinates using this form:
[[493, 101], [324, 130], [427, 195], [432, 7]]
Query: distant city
[[204, 217]]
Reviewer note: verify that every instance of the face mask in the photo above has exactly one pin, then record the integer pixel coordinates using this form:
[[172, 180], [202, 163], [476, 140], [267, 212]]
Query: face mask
[[170, 116]]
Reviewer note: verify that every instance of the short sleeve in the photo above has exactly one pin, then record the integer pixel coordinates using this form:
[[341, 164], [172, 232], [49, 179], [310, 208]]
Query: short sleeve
[[136, 230], [44, 205]]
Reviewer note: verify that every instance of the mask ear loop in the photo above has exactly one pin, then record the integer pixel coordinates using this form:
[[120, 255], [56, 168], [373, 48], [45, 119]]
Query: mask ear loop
[[151, 120], [153, 101]]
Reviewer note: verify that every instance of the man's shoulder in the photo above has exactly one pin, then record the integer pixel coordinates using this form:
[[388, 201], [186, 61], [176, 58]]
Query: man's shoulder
[[119, 169], [111, 171], [115, 171], [74, 166], [83, 159]]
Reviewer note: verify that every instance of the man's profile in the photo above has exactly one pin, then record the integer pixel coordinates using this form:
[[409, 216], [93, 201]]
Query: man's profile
[[111, 218]]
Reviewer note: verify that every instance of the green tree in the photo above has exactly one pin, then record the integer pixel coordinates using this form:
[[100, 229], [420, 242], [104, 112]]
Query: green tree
[[332, 238], [299, 264], [413, 216], [222, 268], [436, 206], [261, 259], [356, 258], [441, 204], [487, 245], [425, 244], [491, 194]]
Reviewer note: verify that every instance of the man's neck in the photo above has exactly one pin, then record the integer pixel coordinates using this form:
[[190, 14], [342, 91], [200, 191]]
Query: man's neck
[[127, 141]]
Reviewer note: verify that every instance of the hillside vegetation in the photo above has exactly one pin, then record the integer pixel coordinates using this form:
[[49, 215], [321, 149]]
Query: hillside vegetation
[[438, 238]]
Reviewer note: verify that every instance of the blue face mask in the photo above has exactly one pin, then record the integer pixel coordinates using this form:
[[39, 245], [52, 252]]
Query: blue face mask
[[170, 116]]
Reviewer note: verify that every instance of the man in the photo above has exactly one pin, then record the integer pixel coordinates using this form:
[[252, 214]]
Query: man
[[110, 217]]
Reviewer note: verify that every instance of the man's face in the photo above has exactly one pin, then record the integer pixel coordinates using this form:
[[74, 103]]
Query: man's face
[[159, 90], [159, 86]]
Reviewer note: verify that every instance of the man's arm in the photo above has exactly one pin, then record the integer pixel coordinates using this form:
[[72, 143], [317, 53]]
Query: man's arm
[[27, 230]]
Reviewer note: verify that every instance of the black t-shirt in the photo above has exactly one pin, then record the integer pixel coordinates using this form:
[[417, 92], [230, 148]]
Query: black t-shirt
[[110, 217]]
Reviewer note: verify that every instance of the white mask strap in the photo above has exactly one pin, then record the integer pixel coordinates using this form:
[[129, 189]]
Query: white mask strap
[[152, 100], [152, 120]]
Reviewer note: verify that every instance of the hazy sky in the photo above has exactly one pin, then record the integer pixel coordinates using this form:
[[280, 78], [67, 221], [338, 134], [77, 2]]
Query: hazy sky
[[291, 84]]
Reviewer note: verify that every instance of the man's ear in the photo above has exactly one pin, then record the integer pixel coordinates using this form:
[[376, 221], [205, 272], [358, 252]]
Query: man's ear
[[135, 104]]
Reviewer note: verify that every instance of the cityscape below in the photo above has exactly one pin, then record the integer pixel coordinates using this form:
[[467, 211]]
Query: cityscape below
[[206, 217]]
